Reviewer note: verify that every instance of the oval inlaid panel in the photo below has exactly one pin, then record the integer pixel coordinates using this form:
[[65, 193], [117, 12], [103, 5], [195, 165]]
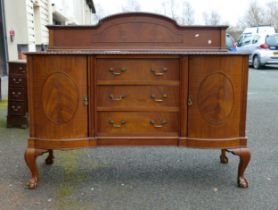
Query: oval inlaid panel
[[59, 98], [216, 98]]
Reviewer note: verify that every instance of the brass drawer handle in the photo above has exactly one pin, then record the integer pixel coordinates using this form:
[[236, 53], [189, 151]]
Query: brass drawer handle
[[163, 97], [16, 93], [189, 100], [112, 71], [86, 100], [154, 124], [161, 73], [113, 98], [122, 122], [16, 108], [17, 81]]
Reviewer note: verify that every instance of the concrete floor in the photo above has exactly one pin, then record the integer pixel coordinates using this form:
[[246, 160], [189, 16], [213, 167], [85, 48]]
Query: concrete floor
[[151, 178]]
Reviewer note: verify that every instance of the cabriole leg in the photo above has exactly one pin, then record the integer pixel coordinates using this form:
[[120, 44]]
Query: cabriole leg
[[244, 158], [223, 157], [50, 158], [30, 158]]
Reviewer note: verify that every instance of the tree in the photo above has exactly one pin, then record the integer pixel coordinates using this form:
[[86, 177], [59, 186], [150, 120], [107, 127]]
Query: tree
[[211, 18], [272, 14], [181, 11], [254, 16], [187, 16], [169, 8]]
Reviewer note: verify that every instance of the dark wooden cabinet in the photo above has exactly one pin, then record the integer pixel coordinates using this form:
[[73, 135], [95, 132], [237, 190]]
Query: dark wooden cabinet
[[17, 95], [119, 89]]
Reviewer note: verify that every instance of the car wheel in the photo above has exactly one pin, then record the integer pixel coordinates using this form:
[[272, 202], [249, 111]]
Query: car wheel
[[256, 62]]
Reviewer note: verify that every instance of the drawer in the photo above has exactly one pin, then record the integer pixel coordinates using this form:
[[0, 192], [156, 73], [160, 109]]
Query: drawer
[[17, 94], [138, 96], [137, 123], [137, 69], [16, 108], [17, 81], [17, 68]]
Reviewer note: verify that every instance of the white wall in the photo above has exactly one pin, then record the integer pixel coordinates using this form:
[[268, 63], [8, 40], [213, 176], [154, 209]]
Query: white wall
[[15, 20], [29, 27], [28, 19], [37, 19]]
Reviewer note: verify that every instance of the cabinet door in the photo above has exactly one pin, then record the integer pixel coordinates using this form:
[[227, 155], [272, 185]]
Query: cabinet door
[[215, 96], [58, 87]]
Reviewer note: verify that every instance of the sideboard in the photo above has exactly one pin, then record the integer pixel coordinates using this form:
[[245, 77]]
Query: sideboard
[[137, 79]]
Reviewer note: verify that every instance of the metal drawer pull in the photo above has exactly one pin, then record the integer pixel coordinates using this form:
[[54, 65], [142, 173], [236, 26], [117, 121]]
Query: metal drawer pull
[[17, 81], [113, 98], [86, 100], [163, 97], [112, 71], [154, 124], [16, 108], [189, 100], [18, 93], [161, 73], [122, 122]]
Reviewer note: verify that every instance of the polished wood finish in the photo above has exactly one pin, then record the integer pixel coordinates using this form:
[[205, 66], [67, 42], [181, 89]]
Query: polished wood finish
[[30, 158], [215, 88], [59, 87], [127, 96], [244, 158], [138, 31], [223, 157], [137, 123], [137, 69], [136, 96], [17, 95]]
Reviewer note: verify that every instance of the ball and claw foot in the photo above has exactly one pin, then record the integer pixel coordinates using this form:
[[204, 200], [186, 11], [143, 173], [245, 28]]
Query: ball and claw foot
[[244, 158], [30, 158], [223, 158], [242, 182], [32, 183], [50, 158]]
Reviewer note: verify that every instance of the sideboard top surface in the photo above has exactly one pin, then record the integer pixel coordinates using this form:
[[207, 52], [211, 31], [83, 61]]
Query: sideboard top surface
[[134, 52]]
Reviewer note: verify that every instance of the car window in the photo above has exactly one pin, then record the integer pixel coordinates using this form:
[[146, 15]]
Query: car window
[[229, 41], [272, 40], [246, 40], [255, 39]]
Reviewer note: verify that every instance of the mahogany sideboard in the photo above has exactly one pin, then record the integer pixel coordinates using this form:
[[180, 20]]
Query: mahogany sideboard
[[137, 79]]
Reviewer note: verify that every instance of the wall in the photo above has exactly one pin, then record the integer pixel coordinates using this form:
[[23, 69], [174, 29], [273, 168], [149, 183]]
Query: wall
[[28, 19], [37, 18], [16, 20]]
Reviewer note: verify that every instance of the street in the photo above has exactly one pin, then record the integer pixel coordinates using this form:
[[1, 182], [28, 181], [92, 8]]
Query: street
[[151, 178]]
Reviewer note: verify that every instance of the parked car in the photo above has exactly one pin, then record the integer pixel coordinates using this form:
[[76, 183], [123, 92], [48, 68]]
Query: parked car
[[262, 29], [256, 30], [262, 49], [266, 53], [230, 43]]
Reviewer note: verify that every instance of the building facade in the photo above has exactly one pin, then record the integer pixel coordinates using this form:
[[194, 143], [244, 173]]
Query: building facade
[[24, 26]]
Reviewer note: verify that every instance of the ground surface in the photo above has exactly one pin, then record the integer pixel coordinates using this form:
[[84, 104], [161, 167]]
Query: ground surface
[[151, 178]]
